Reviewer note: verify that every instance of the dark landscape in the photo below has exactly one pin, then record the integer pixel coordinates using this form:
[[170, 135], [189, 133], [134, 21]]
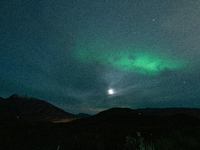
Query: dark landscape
[[99, 74], [33, 124]]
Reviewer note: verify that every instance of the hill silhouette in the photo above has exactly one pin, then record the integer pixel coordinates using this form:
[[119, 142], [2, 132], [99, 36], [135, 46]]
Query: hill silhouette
[[112, 129], [142, 118], [116, 126], [28, 108]]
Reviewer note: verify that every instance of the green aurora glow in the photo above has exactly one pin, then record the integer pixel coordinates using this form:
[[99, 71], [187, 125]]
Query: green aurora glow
[[140, 60]]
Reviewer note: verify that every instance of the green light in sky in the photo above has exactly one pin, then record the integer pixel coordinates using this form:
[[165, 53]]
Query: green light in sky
[[143, 61]]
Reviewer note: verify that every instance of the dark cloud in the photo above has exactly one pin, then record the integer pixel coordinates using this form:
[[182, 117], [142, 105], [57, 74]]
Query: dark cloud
[[181, 24]]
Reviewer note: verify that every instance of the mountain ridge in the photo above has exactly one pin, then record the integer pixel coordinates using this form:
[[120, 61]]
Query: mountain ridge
[[25, 107], [115, 128], [29, 108], [154, 111], [126, 118]]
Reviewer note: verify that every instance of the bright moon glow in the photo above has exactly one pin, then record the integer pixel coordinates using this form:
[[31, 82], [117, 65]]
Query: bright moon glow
[[110, 91]]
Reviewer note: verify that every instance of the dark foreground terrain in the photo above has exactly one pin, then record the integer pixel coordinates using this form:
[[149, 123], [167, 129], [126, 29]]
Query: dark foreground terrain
[[117, 128]]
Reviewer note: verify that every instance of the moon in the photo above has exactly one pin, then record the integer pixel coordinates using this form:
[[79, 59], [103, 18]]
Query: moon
[[111, 91]]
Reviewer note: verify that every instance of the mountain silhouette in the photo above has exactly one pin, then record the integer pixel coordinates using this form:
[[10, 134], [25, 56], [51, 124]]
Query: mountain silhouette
[[84, 115], [28, 108], [125, 118], [170, 111], [115, 128]]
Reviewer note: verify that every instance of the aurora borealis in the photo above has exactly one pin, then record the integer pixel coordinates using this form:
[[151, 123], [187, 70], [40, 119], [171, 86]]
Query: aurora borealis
[[75, 53], [140, 60]]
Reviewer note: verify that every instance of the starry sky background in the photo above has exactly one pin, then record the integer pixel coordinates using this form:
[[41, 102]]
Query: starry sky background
[[71, 52]]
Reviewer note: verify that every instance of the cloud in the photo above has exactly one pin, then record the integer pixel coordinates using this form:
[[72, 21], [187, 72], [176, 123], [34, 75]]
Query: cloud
[[181, 25], [72, 52]]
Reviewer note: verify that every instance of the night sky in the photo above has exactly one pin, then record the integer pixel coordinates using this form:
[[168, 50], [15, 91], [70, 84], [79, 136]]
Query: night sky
[[91, 55]]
